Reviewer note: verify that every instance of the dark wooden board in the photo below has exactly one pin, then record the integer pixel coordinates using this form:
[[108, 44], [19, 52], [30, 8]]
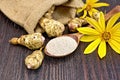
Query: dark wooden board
[[76, 66]]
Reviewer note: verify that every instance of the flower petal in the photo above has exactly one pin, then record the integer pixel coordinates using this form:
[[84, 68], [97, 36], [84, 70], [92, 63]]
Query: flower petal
[[85, 14], [116, 38], [112, 21], [94, 10], [101, 21], [102, 49], [87, 38], [88, 30], [117, 33], [81, 9], [93, 23], [115, 45], [115, 27], [92, 46], [90, 12], [96, 5]]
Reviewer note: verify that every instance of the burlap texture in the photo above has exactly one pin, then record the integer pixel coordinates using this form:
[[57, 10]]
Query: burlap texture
[[27, 13]]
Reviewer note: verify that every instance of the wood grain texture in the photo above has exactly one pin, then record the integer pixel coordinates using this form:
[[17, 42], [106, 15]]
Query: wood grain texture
[[76, 66]]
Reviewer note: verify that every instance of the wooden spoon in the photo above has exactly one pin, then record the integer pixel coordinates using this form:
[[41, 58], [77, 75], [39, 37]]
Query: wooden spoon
[[115, 10], [63, 45]]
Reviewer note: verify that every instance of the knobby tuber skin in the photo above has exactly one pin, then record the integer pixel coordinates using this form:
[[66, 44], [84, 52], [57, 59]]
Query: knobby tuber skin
[[52, 27], [96, 15], [34, 60], [76, 23], [49, 13], [31, 41], [63, 45]]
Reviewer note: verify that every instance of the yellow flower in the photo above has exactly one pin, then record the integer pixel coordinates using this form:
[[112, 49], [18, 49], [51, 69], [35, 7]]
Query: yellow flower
[[101, 33], [90, 6]]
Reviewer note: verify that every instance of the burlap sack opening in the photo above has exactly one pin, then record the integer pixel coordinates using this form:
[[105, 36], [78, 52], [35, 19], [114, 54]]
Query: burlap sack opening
[[27, 13]]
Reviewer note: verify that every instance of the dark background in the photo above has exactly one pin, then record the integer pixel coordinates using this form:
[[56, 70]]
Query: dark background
[[76, 66]]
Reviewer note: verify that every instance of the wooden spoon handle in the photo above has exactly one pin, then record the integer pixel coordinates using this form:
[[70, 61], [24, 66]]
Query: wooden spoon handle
[[112, 12], [76, 36]]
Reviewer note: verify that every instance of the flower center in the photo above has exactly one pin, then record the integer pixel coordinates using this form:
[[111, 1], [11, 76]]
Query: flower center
[[106, 36], [88, 7]]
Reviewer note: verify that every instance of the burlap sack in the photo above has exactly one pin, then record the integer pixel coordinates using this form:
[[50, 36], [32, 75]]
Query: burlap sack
[[63, 14], [27, 13]]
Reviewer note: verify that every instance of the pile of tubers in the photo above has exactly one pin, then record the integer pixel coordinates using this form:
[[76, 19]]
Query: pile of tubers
[[61, 45]]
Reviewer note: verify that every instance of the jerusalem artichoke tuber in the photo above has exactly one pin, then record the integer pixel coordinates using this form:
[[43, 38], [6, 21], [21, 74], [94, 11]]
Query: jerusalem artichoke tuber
[[76, 23], [52, 27], [31, 41], [34, 60]]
